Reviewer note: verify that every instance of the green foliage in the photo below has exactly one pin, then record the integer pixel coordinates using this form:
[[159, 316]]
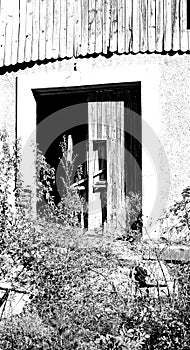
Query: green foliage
[[45, 179], [70, 207], [77, 299], [75, 303], [175, 221], [7, 163], [134, 223], [25, 332]]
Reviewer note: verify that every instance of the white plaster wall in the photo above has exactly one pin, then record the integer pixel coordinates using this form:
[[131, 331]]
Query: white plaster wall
[[165, 112]]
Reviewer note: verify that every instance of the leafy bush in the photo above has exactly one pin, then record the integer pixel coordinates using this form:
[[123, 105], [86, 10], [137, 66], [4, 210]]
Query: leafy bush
[[77, 299], [68, 211], [132, 230], [175, 221], [134, 214], [76, 303]]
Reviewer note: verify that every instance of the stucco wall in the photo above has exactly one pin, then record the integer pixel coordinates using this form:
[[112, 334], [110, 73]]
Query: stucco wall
[[165, 111]]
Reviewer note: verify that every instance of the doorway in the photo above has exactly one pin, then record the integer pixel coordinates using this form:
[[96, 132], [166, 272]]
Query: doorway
[[104, 122]]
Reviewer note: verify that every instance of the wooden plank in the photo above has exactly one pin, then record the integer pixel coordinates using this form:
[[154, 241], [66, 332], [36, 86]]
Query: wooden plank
[[63, 29], [96, 168], [49, 28], [22, 31], [8, 33], [118, 172], [109, 121], [77, 27], [3, 21], [135, 24], [115, 188], [106, 25], [151, 25], [167, 26], [109, 181], [121, 26], [95, 122], [15, 33], [175, 25], [118, 126], [70, 19], [114, 26], [105, 112], [183, 26], [133, 174], [90, 129], [99, 120], [119, 164], [90, 183], [118, 161], [128, 25], [143, 26], [113, 112], [42, 37], [106, 108], [94, 200], [89, 160], [159, 25], [114, 119], [114, 182], [28, 34], [35, 30], [123, 167], [111, 160], [99, 26], [104, 129], [84, 27], [56, 28], [92, 120], [91, 26], [115, 170], [92, 124]]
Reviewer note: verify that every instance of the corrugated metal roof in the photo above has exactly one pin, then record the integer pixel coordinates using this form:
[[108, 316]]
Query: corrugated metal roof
[[32, 30]]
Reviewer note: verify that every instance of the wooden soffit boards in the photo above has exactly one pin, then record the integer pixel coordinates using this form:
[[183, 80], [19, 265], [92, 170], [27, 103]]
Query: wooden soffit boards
[[32, 30]]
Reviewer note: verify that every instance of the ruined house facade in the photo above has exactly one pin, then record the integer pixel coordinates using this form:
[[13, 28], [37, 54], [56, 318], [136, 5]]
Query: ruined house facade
[[111, 75]]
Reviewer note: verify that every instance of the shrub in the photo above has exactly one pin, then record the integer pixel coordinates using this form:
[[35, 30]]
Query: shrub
[[134, 213], [132, 230], [77, 300], [68, 211], [175, 221]]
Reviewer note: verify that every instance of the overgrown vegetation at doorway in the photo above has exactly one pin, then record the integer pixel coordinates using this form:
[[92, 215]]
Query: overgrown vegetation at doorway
[[79, 297]]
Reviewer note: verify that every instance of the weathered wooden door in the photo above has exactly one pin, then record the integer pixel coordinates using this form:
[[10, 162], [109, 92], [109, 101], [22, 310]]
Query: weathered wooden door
[[106, 163]]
